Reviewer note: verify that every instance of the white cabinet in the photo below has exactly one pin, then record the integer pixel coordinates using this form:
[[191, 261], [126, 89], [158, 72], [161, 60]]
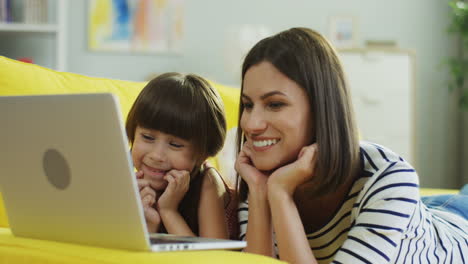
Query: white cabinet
[[383, 93], [44, 43]]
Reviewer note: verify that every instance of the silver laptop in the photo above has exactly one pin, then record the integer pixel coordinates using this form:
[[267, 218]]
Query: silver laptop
[[66, 175]]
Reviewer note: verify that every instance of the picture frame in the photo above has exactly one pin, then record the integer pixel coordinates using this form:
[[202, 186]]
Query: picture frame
[[136, 26], [343, 31]]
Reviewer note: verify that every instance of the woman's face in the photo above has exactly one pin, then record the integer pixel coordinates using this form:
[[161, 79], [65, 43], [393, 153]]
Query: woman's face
[[277, 118], [156, 153]]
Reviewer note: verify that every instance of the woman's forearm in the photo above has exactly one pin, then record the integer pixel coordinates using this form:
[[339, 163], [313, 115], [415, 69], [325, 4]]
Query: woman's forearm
[[289, 231], [259, 234]]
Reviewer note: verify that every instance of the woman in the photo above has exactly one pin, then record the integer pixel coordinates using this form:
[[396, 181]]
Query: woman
[[307, 183]]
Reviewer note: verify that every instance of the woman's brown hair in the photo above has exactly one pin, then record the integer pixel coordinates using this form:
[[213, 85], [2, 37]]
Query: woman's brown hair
[[188, 107], [308, 59]]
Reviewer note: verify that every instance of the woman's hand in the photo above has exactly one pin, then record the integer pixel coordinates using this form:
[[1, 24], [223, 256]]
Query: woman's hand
[[148, 199], [290, 176], [244, 166], [175, 191]]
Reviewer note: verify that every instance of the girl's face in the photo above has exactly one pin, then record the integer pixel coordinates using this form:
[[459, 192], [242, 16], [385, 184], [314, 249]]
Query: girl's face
[[156, 153], [276, 119]]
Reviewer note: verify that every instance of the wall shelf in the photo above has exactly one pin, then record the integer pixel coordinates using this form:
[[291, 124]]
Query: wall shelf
[[30, 28], [55, 28]]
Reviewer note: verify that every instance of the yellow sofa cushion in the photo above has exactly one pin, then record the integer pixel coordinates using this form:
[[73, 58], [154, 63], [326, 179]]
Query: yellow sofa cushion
[[433, 191], [21, 250], [3, 216]]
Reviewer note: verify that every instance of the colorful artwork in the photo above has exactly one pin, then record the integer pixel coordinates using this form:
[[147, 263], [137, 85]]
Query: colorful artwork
[[136, 25], [343, 31]]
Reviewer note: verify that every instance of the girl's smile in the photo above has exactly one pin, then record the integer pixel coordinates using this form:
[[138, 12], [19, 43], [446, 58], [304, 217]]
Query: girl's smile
[[153, 173], [156, 153]]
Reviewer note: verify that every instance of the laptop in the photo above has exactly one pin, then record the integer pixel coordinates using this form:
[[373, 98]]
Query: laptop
[[66, 175]]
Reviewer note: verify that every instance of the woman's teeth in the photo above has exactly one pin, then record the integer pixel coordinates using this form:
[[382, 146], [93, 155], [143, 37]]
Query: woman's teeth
[[264, 143]]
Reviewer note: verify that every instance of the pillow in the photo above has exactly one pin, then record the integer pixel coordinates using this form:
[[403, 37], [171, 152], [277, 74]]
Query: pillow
[[18, 78]]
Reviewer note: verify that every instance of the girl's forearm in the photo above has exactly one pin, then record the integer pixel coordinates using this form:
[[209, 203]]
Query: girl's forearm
[[259, 235], [290, 235], [175, 223], [152, 228]]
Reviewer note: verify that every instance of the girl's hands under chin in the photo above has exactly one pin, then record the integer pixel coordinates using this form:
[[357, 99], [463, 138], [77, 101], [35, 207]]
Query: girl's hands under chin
[[244, 166], [178, 185], [148, 199], [290, 176]]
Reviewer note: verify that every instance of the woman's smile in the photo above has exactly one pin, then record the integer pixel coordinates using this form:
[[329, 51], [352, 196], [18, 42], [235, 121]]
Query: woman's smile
[[264, 144]]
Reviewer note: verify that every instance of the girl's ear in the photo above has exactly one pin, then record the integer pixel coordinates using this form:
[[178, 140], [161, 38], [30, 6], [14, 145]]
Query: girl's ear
[[200, 162], [197, 163]]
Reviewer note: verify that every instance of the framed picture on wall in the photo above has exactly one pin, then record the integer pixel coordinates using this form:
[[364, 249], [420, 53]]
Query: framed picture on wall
[[136, 25], [343, 31]]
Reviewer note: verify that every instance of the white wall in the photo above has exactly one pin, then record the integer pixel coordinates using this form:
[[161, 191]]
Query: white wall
[[419, 25]]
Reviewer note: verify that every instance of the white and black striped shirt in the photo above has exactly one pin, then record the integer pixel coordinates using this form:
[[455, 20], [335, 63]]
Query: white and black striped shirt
[[384, 221]]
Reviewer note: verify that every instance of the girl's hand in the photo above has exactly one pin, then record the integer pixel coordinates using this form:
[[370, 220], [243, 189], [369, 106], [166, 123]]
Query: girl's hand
[[148, 199], [179, 182], [244, 166], [290, 176]]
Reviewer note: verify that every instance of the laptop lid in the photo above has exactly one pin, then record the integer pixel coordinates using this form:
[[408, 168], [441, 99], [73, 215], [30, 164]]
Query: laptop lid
[[65, 171], [67, 175]]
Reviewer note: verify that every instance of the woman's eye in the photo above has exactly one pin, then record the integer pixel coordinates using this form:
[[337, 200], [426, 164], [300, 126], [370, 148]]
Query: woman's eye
[[276, 105], [247, 106]]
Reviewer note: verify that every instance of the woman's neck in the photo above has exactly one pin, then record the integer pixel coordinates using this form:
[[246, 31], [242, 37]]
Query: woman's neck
[[317, 211]]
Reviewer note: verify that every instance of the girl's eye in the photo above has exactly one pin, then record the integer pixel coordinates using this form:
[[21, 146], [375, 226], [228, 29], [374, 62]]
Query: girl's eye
[[147, 137], [176, 145], [276, 105]]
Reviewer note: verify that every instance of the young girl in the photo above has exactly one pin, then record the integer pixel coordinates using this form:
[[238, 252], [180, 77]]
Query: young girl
[[175, 124], [309, 187]]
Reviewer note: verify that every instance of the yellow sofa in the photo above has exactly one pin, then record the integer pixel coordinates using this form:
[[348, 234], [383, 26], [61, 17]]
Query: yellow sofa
[[17, 78]]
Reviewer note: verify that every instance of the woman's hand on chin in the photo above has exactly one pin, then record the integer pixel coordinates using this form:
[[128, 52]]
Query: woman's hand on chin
[[252, 176], [290, 176]]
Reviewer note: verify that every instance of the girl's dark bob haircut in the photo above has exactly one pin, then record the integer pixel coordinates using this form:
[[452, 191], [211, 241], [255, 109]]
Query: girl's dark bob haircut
[[188, 107], [185, 106]]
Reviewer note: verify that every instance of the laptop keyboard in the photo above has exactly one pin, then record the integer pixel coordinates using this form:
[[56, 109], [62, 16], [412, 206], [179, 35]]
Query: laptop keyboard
[[165, 241]]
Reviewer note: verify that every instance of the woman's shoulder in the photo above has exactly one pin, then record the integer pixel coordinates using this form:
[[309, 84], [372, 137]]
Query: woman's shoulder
[[386, 175], [375, 157]]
